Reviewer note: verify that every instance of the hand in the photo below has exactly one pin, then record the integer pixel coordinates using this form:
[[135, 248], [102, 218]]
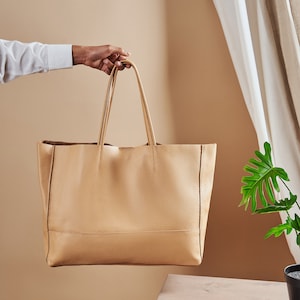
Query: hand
[[103, 58]]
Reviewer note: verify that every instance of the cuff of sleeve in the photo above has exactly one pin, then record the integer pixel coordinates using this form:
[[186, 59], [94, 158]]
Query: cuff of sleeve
[[59, 57]]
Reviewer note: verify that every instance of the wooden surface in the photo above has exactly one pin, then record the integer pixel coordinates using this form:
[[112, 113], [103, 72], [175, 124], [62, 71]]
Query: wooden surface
[[187, 287]]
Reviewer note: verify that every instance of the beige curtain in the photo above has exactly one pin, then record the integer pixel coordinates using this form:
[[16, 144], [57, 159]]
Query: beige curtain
[[263, 40]]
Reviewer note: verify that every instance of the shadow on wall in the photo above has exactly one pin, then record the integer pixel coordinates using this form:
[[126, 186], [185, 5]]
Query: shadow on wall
[[208, 107]]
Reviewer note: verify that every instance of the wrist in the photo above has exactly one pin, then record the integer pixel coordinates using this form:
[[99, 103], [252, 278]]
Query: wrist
[[78, 54]]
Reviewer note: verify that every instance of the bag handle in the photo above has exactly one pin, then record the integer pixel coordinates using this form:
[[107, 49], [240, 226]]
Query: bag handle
[[108, 102]]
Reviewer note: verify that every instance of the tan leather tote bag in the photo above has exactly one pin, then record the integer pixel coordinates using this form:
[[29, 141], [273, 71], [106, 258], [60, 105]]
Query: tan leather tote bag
[[104, 204]]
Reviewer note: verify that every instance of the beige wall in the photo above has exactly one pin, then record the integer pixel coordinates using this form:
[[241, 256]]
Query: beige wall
[[194, 97]]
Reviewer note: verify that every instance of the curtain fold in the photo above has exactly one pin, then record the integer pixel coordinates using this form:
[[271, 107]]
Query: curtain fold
[[263, 42], [284, 16]]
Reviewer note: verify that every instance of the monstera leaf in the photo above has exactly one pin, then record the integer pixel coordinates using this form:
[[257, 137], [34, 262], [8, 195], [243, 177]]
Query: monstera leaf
[[260, 185], [287, 227], [281, 205], [259, 190]]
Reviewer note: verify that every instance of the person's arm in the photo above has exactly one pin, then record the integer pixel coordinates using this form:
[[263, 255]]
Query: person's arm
[[19, 59]]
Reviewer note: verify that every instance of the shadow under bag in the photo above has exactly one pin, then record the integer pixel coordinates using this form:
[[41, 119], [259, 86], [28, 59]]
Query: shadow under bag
[[105, 204]]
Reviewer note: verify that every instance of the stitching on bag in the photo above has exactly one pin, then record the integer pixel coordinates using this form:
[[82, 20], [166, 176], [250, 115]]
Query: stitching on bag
[[200, 168], [123, 232], [48, 202]]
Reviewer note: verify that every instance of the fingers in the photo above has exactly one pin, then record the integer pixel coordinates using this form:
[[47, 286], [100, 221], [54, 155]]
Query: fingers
[[118, 51], [106, 66], [117, 55], [115, 59], [103, 58]]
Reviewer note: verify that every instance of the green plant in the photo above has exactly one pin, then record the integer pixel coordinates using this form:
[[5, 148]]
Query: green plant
[[259, 189]]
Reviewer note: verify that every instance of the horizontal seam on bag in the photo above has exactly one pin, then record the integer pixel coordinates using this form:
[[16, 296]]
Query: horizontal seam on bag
[[124, 232]]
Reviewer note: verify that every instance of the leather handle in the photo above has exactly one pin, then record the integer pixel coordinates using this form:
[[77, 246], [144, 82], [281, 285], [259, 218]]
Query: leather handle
[[108, 102]]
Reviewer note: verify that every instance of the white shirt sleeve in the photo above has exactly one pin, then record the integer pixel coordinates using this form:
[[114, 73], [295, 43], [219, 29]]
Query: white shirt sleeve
[[18, 59]]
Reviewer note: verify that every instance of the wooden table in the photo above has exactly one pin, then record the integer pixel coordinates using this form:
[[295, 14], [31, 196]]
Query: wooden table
[[187, 287]]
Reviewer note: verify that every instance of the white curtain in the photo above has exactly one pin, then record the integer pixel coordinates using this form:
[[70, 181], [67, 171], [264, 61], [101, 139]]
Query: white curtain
[[263, 42]]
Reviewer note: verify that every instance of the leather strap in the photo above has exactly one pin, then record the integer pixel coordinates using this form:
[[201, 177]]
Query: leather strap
[[108, 102]]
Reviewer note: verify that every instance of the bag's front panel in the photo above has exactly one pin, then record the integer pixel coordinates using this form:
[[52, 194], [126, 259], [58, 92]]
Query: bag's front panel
[[125, 205]]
